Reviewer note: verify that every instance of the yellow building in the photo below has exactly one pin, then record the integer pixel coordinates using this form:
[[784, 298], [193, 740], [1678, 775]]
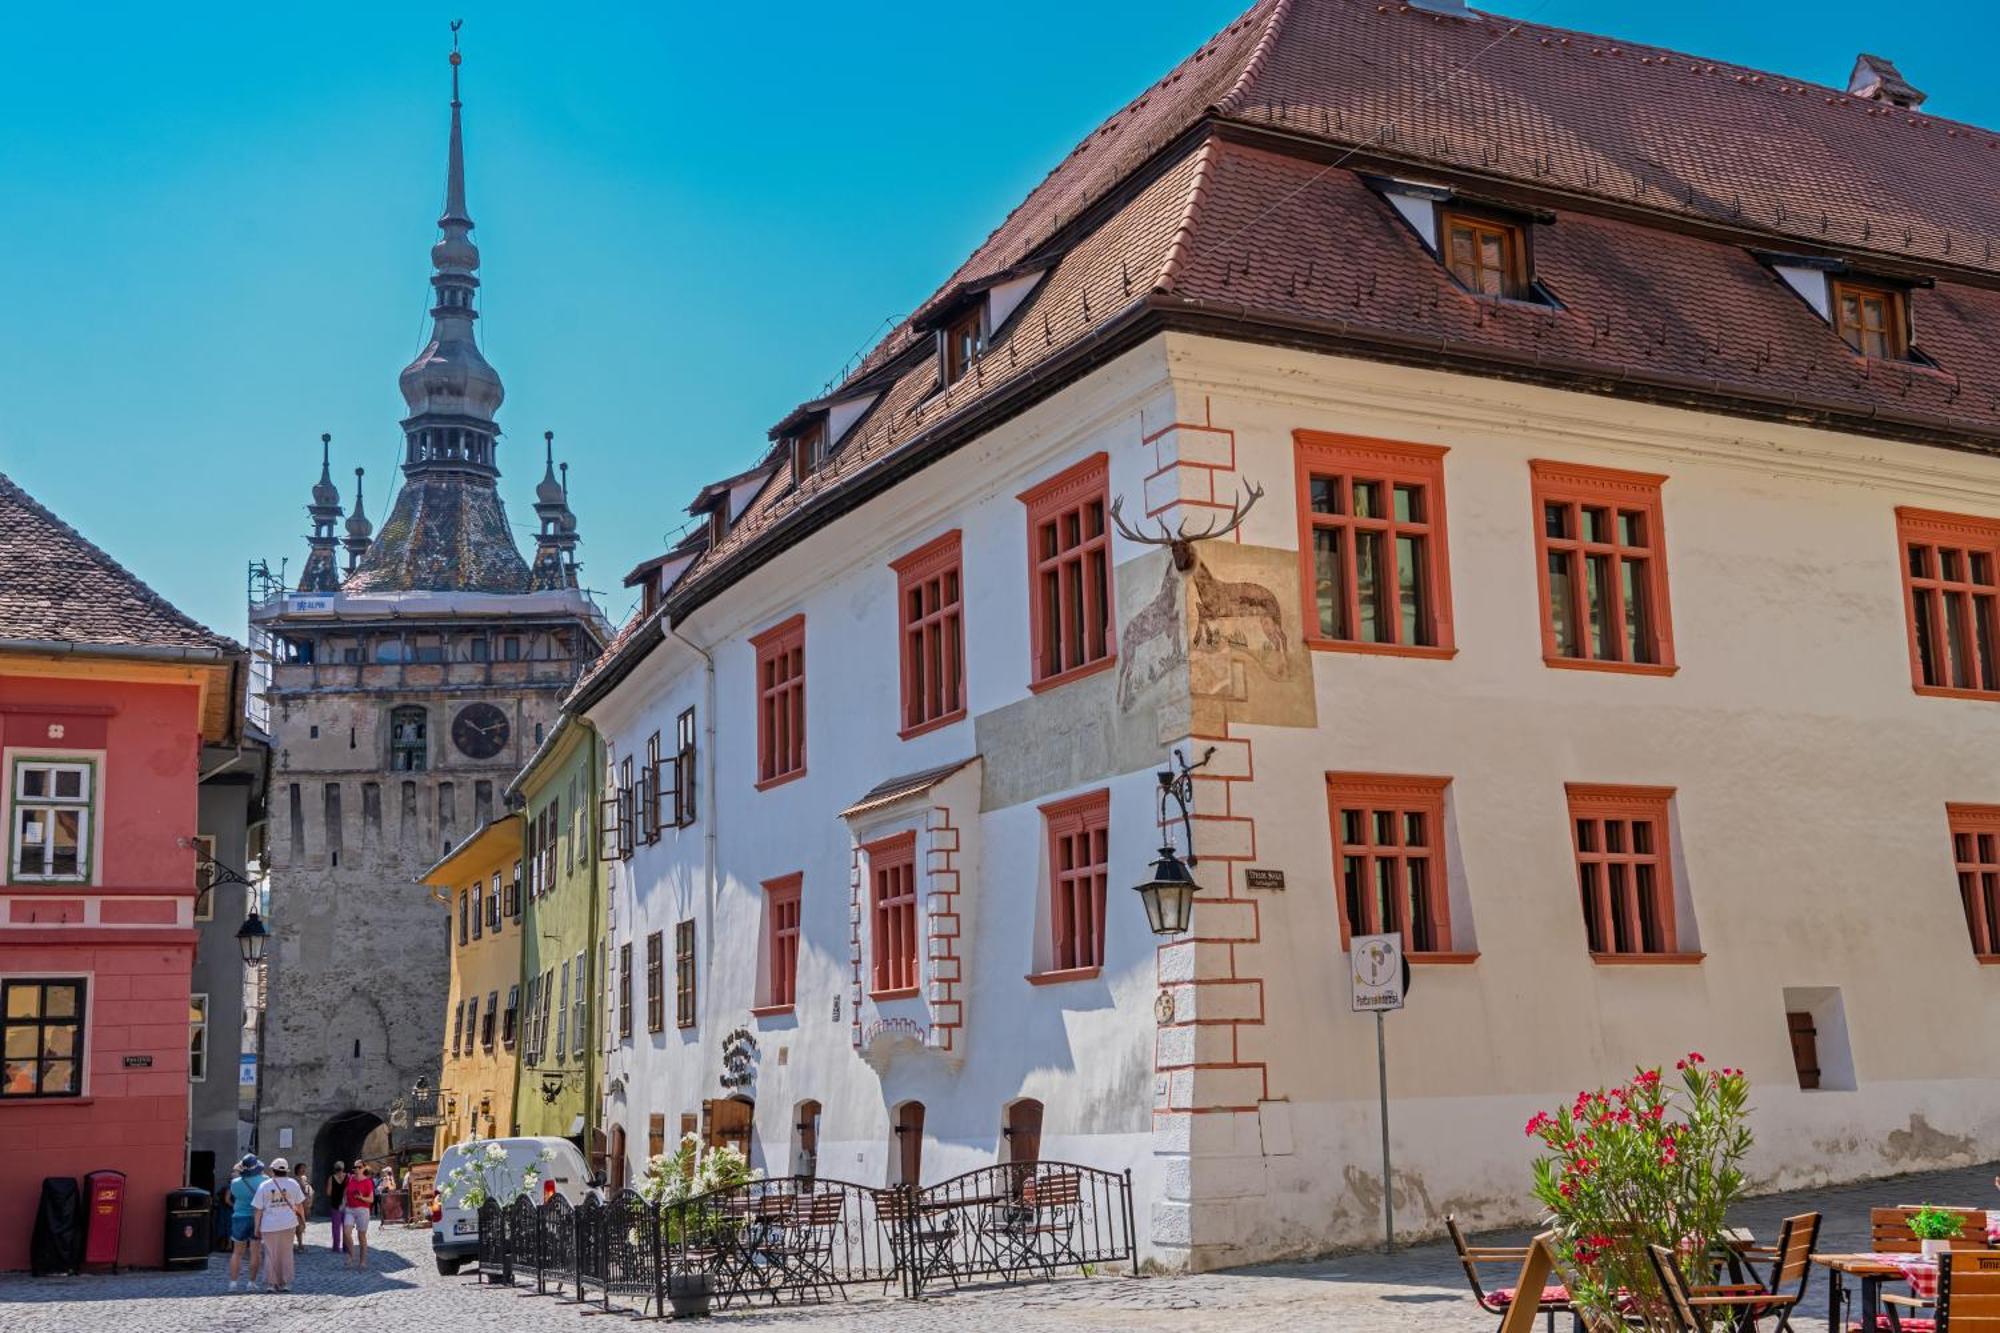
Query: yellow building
[[479, 882]]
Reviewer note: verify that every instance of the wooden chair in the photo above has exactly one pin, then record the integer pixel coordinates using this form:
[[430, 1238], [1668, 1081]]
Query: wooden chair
[[1538, 1265], [1790, 1260], [1689, 1306], [1968, 1297], [1889, 1230]]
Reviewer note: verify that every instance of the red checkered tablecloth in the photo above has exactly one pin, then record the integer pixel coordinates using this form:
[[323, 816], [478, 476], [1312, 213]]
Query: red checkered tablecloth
[[1921, 1274]]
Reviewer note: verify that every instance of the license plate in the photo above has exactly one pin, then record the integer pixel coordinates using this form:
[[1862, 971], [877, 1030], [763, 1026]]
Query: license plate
[[465, 1226]]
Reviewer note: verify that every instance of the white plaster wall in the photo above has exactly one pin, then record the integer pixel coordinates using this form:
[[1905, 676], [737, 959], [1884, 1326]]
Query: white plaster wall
[[1084, 1048], [1811, 785]]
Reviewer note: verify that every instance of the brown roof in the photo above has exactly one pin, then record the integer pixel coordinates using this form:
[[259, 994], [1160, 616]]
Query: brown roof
[[56, 586], [1228, 199]]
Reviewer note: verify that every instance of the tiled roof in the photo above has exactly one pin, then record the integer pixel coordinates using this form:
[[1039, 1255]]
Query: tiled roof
[[1227, 199], [444, 534], [56, 586]]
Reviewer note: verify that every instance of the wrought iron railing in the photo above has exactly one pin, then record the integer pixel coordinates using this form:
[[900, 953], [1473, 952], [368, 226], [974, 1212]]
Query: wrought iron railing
[[802, 1239]]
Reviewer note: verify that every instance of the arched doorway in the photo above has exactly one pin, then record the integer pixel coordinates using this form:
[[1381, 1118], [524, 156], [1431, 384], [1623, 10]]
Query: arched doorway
[[1021, 1131], [347, 1137], [906, 1160], [805, 1140]]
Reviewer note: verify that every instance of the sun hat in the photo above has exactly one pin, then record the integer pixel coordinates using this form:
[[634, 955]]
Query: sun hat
[[279, 1166], [249, 1164]]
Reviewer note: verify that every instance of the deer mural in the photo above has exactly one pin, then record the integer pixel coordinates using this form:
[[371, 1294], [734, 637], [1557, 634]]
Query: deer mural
[[1222, 608]]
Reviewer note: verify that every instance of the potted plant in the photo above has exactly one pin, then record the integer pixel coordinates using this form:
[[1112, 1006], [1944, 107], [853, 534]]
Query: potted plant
[[1652, 1161], [1935, 1228], [683, 1187]]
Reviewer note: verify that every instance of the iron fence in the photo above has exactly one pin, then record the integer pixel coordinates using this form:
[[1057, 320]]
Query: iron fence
[[801, 1239]]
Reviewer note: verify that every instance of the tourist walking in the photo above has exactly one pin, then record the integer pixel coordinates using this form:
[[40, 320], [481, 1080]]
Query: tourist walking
[[355, 1206], [244, 1249], [281, 1215], [305, 1211], [336, 1195]]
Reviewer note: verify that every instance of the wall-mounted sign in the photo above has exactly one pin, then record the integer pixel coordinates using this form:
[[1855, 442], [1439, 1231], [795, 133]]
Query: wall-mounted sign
[[138, 1062], [1263, 879], [309, 606], [246, 1069], [739, 1059]]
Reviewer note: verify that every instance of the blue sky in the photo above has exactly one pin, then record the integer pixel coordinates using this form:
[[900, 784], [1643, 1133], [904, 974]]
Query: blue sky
[[215, 222]]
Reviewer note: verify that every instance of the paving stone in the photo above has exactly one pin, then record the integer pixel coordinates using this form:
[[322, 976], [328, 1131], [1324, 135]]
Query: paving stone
[[1417, 1288]]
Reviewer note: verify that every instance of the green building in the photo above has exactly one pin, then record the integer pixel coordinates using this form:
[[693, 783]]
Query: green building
[[562, 979]]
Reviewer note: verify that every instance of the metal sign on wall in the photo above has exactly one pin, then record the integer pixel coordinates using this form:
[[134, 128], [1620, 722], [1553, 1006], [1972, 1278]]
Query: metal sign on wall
[[1380, 975]]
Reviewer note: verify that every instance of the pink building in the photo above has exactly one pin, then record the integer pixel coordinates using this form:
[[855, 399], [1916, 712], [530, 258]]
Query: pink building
[[107, 694]]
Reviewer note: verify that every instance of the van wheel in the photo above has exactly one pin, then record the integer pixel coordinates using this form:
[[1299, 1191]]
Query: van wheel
[[449, 1267]]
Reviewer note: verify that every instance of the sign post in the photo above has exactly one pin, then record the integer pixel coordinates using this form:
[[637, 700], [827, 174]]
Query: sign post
[[1381, 980]]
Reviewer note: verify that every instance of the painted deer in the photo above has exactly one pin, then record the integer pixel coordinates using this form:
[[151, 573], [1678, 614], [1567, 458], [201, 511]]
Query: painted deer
[[1216, 602]]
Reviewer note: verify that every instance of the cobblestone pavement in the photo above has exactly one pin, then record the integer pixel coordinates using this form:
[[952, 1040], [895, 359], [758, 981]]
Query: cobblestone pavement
[[1417, 1288]]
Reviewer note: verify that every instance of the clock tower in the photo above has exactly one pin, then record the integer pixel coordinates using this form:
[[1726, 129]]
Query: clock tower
[[404, 693]]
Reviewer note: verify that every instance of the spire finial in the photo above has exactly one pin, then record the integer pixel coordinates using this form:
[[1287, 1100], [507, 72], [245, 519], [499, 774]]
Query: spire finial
[[549, 446], [565, 472], [456, 58], [325, 454]]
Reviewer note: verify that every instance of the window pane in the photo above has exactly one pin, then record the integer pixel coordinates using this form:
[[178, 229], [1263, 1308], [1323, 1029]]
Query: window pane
[[1958, 650], [1368, 499], [1597, 589], [1586, 835], [1632, 527], [69, 784], [1385, 828], [1351, 879], [59, 1040], [1330, 583], [1412, 595], [1982, 633], [1326, 495], [1555, 519], [1924, 600], [1409, 504], [1414, 831], [1642, 836], [1981, 567], [1391, 919], [1562, 604], [1920, 561], [1370, 620], [1650, 934], [1638, 613], [1353, 831], [1614, 835], [21, 1043], [19, 1076], [1948, 560], [1596, 524], [1593, 922], [1621, 909], [58, 1076], [34, 780], [1423, 929]]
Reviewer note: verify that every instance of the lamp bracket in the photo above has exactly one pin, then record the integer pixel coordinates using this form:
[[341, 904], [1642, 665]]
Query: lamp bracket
[[1177, 783]]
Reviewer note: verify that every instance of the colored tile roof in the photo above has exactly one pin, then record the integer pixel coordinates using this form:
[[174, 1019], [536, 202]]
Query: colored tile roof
[[444, 534], [1228, 199], [56, 586]]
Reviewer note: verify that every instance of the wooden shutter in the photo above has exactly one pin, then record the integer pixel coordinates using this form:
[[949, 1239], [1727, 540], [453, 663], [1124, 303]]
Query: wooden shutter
[[1805, 1049], [607, 828]]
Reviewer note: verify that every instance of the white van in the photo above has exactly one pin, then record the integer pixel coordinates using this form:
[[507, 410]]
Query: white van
[[455, 1230]]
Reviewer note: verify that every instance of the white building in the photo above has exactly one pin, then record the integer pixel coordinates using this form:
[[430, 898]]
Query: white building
[[1560, 366]]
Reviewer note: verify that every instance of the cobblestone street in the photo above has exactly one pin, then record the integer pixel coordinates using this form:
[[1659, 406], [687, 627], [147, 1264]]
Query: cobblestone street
[[1417, 1288]]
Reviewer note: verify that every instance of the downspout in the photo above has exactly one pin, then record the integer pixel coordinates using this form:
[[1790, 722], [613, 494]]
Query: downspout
[[708, 790]]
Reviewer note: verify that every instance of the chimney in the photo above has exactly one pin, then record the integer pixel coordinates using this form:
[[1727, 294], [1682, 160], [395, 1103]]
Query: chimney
[[1879, 80]]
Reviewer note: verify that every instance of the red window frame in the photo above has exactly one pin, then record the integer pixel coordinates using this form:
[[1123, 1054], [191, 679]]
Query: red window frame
[[1389, 862], [1951, 587], [1614, 519], [1412, 615], [1975, 854], [1079, 835], [782, 897], [1622, 840], [781, 702], [893, 917], [1072, 621], [930, 597]]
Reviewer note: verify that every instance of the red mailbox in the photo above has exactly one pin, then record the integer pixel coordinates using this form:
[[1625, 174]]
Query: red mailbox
[[104, 1195]]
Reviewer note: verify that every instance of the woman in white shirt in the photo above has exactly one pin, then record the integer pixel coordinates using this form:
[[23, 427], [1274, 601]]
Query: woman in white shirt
[[280, 1206]]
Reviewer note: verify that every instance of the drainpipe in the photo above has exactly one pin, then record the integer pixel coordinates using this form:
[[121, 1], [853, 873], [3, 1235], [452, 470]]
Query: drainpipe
[[708, 790]]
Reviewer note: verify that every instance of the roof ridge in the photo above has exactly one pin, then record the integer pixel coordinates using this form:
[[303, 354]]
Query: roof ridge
[[1176, 253], [145, 589], [1258, 55]]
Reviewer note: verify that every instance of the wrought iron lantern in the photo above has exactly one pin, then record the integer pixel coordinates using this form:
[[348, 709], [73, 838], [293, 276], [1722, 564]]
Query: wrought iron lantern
[[251, 937], [1168, 894]]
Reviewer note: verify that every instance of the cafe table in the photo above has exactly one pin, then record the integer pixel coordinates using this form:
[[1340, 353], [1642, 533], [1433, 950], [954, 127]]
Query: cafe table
[[1870, 1271]]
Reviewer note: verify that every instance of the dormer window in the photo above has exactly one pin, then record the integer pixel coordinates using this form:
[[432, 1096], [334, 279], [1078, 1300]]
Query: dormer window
[[1871, 319], [964, 341], [718, 524], [1485, 254], [808, 445]]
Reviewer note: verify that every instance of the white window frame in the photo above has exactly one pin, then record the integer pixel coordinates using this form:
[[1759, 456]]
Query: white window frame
[[88, 763], [198, 1035], [578, 1007]]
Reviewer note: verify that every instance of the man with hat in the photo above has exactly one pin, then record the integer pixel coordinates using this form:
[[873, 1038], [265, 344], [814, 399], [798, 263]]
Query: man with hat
[[243, 1249]]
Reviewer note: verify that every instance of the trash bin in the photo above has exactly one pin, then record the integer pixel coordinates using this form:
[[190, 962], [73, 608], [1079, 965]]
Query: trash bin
[[188, 1221]]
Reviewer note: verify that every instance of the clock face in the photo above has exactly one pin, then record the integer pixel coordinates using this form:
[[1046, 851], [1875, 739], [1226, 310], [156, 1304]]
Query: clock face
[[479, 731]]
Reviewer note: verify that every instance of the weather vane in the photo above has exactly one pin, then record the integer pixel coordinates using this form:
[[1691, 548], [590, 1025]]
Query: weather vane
[[456, 24]]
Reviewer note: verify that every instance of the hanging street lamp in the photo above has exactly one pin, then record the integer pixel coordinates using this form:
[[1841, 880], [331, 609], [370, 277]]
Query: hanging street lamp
[[251, 937], [1168, 894]]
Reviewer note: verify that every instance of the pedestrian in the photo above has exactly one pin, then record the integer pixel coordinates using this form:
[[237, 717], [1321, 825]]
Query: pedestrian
[[355, 1206], [245, 1253], [336, 1191], [305, 1211], [281, 1215]]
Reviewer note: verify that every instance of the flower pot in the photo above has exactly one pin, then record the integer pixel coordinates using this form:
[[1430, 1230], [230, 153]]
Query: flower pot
[[1933, 1248], [688, 1294]]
